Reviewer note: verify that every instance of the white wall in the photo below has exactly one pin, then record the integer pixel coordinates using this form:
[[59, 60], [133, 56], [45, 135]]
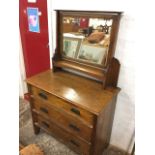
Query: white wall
[[123, 128], [22, 76]]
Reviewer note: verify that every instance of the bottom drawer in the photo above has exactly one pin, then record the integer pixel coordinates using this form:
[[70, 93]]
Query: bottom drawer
[[78, 145]]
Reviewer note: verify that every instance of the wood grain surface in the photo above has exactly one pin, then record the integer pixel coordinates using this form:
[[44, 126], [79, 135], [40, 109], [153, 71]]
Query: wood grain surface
[[85, 93]]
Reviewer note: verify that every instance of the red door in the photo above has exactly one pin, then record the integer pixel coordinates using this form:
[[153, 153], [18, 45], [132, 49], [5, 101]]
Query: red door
[[35, 45]]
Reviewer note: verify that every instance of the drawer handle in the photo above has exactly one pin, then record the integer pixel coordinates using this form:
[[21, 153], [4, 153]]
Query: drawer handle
[[76, 111], [43, 95], [74, 143], [44, 110], [74, 127], [45, 124]]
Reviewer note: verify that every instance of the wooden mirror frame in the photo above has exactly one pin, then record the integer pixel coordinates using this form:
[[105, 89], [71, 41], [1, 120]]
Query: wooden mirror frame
[[107, 73]]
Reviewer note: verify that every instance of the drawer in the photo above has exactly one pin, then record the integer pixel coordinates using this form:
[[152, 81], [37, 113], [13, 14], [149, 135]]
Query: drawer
[[75, 143], [60, 103], [63, 119]]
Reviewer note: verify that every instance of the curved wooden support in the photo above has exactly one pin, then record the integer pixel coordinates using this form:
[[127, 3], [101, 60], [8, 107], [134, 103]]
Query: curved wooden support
[[112, 73]]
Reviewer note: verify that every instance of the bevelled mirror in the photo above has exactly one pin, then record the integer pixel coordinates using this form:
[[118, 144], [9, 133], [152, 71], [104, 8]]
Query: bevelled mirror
[[86, 40]]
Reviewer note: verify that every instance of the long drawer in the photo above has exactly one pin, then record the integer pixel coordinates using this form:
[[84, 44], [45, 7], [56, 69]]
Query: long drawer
[[75, 143], [57, 116], [67, 106]]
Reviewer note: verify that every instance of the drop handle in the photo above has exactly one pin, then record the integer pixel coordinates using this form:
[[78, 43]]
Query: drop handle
[[43, 95], [74, 127], [76, 111], [44, 110]]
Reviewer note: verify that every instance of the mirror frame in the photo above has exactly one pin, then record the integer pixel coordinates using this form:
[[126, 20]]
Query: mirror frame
[[95, 70]]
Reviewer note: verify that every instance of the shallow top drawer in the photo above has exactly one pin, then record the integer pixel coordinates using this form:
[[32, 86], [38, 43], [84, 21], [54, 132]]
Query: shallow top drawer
[[60, 103]]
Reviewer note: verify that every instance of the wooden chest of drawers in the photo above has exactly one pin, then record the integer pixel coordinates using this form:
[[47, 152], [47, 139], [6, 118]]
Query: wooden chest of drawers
[[77, 111]]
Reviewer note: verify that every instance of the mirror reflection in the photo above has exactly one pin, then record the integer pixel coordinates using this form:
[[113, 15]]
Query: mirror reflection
[[86, 39]]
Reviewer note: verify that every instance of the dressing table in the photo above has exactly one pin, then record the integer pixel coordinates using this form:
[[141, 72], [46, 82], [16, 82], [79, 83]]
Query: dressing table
[[79, 110]]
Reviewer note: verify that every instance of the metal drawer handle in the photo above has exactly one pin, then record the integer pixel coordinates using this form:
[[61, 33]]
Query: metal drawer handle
[[44, 110], [45, 124], [76, 111], [74, 143], [74, 127], [43, 95]]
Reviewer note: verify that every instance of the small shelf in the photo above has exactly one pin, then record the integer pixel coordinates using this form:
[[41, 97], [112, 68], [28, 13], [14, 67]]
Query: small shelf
[[95, 72]]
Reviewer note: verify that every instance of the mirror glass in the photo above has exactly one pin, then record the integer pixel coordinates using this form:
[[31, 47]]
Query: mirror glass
[[86, 39]]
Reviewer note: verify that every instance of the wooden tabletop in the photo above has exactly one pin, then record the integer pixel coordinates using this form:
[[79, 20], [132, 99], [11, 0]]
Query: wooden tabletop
[[80, 91]]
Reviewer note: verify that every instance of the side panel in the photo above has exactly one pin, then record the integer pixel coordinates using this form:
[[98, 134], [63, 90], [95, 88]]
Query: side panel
[[104, 128]]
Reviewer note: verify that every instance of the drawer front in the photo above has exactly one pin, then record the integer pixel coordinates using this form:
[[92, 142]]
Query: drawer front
[[60, 103], [74, 143], [62, 119]]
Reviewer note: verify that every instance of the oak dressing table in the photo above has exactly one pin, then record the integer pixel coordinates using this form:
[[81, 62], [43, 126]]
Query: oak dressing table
[[79, 111]]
